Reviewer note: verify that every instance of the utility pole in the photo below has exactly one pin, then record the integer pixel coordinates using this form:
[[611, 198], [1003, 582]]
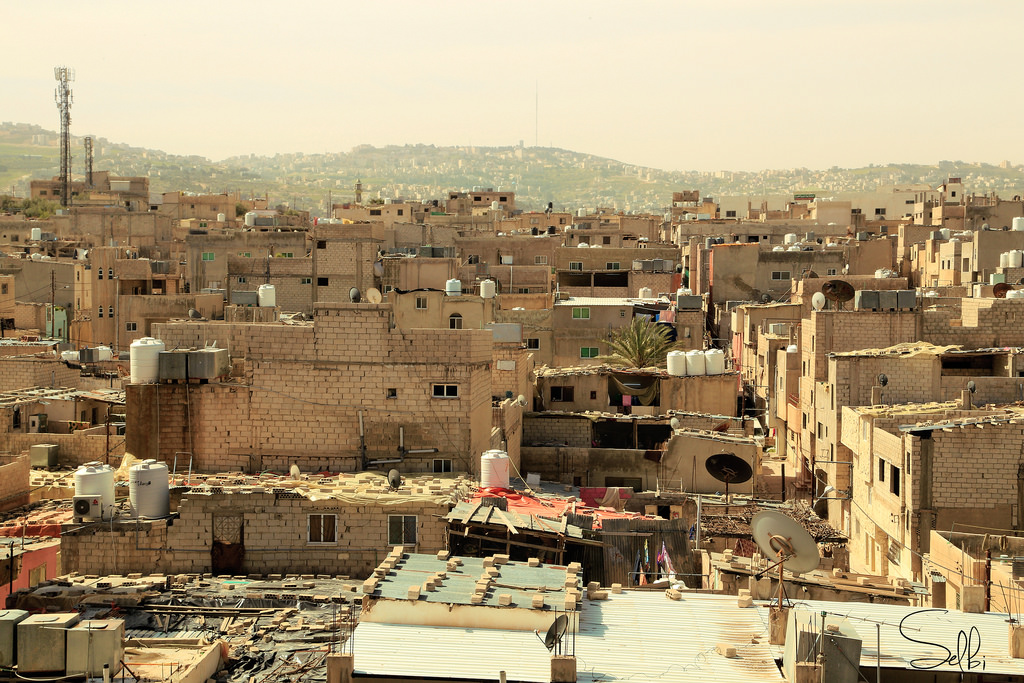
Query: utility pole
[[53, 296]]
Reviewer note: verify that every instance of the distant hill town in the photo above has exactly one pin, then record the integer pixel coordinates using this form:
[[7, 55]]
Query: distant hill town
[[537, 175]]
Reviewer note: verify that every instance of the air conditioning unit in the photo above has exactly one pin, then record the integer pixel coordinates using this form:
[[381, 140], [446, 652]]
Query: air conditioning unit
[[88, 507]]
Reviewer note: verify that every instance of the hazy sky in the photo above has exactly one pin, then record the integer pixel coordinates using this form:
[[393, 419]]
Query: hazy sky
[[679, 85]]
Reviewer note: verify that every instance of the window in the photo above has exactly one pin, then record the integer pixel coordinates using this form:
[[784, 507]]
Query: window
[[110, 273], [540, 260], [42, 193], [100, 312], [305, 280], [445, 391], [473, 259], [593, 395], [730, 214], [881, 470], [622, 313], [100, 274], [611, 265], [322, 281], [207, 255], [245, 254], [374, 212], [880, 212], [455, 321], [533, 343], [564, 394], [830, 271], [401, 529], [894, 480], [967, 263], [321, 244], [391, 392], [110, 311], [589, 352], [401, 211], [241, 280], [421, 303], [780, 275], [322, 529], [581, 313], [286, 254], [606, 239], [3, 288], [505, 199], [442, 465], [576, 265], [131, 327]]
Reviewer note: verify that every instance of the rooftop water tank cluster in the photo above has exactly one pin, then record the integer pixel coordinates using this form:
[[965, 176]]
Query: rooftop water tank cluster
[[696, 363], [1011, 259]]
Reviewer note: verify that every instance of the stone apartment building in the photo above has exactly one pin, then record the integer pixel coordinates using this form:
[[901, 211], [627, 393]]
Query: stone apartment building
[[615, 271], [480, 201], [337, 394], [129, 192]]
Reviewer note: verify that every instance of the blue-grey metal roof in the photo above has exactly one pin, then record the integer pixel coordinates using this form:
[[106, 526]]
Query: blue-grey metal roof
[[486, 514]]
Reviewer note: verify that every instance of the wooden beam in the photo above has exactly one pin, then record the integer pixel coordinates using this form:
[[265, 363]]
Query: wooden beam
[[508, 522], [469, 515]]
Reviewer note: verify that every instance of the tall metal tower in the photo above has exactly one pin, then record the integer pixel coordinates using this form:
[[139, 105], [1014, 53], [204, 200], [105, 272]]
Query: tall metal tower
[[88, 161], [62, 95]]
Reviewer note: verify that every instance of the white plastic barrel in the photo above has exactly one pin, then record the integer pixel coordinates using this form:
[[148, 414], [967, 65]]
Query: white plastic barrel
[[494, 467], [646, 293], [148, 489], [487, 289], [1016, 258], [714, 361], [676, 363], [266, 295], [1004, 260], [36, 234], [453, 287], [221, 217], [695, 363], [1018, 223]]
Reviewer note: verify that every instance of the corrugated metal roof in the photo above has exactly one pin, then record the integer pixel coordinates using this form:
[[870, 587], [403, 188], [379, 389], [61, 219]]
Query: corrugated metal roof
[[933, 629], [487, 514], [638, 636]]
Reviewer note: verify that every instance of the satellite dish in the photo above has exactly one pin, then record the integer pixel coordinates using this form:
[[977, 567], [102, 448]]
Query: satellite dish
[[373, 295], [354, 296], [818, 301], [674, 422], [972, 387], [883, 380], [999, 290], [810, 274], [194, 314], [521, 400], [765, 298], [728, 468], [555, 632], [394, 479], [722, 426], [784, 538], [837, 290]]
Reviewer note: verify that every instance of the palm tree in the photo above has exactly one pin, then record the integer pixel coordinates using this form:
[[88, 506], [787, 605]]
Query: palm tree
[[640, 344]]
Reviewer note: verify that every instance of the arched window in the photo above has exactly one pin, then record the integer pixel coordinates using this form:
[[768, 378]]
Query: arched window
[[455, 322]]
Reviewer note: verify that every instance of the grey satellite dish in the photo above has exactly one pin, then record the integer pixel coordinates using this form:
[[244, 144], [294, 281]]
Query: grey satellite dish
[[354, 296], [394, 479], [373, 295], [194, 314], [555, 632], [674, 423], [818, 301], [883, 380], [728, 468], [781, 537], [521, 400], [972, 387], [766, 298]]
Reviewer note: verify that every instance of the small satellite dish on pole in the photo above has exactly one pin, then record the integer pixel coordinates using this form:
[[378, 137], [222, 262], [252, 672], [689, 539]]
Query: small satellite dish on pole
[[728, 468], [553, 638]]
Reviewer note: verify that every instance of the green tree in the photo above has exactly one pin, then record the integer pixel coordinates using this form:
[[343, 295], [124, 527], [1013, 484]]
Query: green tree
[[239, 209], [640, 344], [38, 208]]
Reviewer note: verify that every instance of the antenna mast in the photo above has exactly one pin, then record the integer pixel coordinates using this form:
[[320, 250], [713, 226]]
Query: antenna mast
[[88, 161], [63, 97]]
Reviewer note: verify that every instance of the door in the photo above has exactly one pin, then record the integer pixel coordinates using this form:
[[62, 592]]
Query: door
[[227, 553]]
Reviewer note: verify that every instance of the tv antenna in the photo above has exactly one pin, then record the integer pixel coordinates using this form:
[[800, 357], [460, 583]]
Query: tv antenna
[[728, 468], [839, 291], [785, 540]]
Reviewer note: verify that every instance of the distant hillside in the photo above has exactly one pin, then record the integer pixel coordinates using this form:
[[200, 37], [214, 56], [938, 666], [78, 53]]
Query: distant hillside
[[538, 175]]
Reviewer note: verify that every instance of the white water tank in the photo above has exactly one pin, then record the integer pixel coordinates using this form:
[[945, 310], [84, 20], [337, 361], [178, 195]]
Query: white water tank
[[676, 363], [148, 489], [583, 245], [453, 288], [495, 206], [494, 467], [646, 293], [580, 213], [778, 249], [145, 360], [1004, 260], [714, 361], [695, 362], [1018, 223], [102, 353], [792, 348], [221, 217], [266, 295], [96, 479], [67, 356], [790, 238], [945, 233], [1015, 294], [488, 289], [1016, 258], [36, 234], [250, 219]]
